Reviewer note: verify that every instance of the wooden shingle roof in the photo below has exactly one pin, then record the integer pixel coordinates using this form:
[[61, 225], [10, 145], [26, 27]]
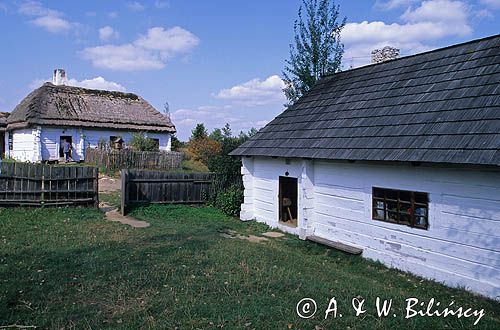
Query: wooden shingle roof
[[76, 106], [441, 106]]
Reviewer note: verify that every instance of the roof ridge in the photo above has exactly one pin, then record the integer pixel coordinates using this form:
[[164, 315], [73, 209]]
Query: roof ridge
[[96, 91], [417, 54]]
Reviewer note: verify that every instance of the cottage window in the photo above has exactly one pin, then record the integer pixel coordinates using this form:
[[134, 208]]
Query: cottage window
[[403, 207]]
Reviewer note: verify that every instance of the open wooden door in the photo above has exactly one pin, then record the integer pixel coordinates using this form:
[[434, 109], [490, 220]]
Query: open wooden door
[[288, 201]]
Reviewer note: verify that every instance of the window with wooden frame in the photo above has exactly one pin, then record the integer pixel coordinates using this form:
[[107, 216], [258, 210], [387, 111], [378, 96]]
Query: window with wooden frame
[[403, 207]]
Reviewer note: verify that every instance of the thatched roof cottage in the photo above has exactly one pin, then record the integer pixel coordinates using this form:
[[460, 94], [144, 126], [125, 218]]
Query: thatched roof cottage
[[84, 117]]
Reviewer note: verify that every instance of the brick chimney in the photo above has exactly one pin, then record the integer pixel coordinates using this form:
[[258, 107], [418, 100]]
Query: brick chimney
[[59, 77], [385, 54]]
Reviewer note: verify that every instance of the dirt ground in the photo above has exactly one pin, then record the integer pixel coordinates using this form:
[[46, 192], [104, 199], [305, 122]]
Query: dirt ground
[[107, 184]]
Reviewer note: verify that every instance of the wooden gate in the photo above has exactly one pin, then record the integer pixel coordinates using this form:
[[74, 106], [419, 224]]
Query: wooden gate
[[144, 187], [23, 184]]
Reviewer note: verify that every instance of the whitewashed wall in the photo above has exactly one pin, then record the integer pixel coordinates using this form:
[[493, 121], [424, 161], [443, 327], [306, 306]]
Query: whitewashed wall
[[26, 147], [24, 142], [461, 246], [92, 137]]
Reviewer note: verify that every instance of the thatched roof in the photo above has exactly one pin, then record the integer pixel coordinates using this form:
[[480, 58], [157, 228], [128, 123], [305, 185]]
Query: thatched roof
[[76, 106], [3, 120], [441, 106]]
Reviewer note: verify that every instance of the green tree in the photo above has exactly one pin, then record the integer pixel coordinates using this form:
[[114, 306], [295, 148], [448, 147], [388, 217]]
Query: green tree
[[199, 132], [226, 131], [176, 144], [216, 135], [141, 142], [317, 49]]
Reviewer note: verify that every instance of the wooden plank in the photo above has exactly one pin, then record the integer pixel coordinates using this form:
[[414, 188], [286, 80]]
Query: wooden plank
[[336, 245]]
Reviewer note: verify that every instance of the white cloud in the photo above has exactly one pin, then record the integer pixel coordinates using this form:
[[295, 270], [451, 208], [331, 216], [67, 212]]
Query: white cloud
[[136, 6], [97, 83], [392, 4], [439, 11], [212, 117], [125, 57], [48, 19], [162, 4], [171, 41], [107, 33], [255, 92], [422, 27], [113, 14], [491, 3], [148, 52], [94, 83], [52, 24]]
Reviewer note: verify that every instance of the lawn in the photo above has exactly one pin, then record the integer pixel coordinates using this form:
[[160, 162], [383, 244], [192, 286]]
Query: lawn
[[68, 268]]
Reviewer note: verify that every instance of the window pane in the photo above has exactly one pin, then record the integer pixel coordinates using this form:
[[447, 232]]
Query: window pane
[[405, 218], [405, 196], [378, 192], [379, 214], [393, 216], [421, 198], [391, 194], [421, 211], [392, 206], [421, 221]]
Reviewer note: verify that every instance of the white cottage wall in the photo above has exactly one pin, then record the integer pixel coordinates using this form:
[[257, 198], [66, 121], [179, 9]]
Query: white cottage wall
[[461, 246], [42, 143], [92, 137], [261, 182], [23, 141]]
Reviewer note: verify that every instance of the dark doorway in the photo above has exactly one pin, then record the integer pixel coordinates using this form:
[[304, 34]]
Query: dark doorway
[[288, 192], [68, 139]]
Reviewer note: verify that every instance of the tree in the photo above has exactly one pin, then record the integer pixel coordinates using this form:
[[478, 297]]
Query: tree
[[204, 149], [166, 109], [176, 144], [226, 131], [198, 132], [216, 135], [317, 49], [141, 142]]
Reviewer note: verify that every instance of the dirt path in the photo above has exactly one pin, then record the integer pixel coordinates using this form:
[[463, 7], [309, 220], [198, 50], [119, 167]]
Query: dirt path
[[112, 214], [107, 184]]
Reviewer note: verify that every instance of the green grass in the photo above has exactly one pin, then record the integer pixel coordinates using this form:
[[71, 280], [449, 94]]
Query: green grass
[[68, 268]]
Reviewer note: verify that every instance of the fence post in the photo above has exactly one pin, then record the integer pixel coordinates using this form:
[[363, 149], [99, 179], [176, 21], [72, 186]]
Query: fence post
[[124, 177], [96, 187]]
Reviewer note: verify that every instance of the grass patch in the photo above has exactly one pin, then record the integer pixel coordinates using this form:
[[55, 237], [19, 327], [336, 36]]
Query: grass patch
[[67, 268]]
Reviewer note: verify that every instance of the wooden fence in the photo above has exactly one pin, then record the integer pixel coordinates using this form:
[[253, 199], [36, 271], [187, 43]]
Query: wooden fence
[[141, 187], [23, 184], [129, 159]]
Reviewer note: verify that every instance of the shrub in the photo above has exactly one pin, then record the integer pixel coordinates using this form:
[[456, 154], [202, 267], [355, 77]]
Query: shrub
[[141, 142], [230, 200], [203, 149]]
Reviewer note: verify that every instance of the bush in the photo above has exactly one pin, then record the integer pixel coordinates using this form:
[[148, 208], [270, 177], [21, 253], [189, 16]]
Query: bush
[[203, 149], [230, 200], [141, 142]]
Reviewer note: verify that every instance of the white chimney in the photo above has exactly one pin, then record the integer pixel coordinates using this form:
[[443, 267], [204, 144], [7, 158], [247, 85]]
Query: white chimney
[[59, 77], [385, 54]]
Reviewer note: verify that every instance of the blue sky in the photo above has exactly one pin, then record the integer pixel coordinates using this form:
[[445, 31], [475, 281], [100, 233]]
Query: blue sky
[[213, 61]]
